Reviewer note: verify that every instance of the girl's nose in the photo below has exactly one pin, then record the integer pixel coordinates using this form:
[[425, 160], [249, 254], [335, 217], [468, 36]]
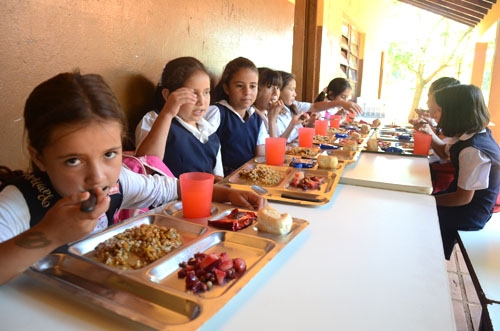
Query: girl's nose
[[95, 175]]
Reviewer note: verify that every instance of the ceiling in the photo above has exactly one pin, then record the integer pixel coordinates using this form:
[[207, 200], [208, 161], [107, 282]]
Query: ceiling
[[468, 12]]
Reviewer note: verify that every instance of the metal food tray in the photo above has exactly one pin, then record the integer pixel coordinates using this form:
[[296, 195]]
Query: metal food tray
[[154, 295], [283, 192], [406, 151]]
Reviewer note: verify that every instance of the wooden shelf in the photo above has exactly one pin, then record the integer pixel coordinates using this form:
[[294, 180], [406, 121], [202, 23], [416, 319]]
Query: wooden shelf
[[349, 50]]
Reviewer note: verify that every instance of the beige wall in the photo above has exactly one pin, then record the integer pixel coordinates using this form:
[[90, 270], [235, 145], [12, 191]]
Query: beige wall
[[365, 15], [128, 42]]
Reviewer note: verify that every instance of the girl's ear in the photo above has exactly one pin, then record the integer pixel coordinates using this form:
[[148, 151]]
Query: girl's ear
[[226, 88], [165, 93], [36, 158]]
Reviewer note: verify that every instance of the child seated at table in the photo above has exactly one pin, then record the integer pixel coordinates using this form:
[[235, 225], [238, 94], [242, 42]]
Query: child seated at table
[[175, 130], [468, 202]]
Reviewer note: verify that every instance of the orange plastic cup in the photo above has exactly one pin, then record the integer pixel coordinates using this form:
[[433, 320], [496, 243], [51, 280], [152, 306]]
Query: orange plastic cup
[[196, 192], [275, 150], [306, 137], [335, 121], [321, 127], [421, 143]]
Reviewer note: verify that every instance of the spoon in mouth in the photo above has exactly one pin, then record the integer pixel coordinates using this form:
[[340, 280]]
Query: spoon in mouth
[[89, 204]]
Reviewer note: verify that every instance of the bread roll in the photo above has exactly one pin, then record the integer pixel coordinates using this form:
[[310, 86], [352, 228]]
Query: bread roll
[[327, 162], [271, 221]]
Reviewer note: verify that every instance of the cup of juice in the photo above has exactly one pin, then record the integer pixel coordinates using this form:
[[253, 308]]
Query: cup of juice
[[196, 193], [306, 137]]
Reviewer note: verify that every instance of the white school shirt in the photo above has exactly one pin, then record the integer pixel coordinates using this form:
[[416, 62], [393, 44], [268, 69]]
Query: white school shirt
[[474, 170], [202, 132], [213, 117], [139, 191]]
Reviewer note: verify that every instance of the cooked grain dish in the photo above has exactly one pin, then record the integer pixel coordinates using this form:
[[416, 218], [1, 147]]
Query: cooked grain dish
[[138, 246], [261, 175]]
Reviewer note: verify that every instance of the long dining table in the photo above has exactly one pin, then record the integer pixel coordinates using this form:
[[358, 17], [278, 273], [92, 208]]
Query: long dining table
[[370, 259]]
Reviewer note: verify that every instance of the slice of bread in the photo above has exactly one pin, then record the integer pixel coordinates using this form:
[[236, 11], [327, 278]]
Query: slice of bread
[[271, 221]]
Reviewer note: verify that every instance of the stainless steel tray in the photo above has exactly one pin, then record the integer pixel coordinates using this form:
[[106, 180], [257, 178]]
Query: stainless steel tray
[[283, 192], [154, 296]]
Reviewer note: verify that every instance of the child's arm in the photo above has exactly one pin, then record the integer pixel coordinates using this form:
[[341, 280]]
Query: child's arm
[[349, 106], [438, 146], [156, 140], [459, 198], [272, 116], [244, 199], [63, 223]]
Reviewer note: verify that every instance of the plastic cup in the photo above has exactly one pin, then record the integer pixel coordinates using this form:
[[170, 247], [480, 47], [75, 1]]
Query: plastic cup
[[335, 121], [421, 143], [275, 151], [196, 192], [306, 137], [321, 127]]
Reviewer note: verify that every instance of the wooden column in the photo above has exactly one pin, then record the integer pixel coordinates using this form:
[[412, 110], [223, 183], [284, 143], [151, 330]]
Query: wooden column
[[494, 99], [478, 64]]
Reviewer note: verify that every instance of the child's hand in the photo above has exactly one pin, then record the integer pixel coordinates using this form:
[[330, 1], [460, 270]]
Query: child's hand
[[274, 109], [247, 200], [65, 222], [300, 119], [351, 107], [178, 98]]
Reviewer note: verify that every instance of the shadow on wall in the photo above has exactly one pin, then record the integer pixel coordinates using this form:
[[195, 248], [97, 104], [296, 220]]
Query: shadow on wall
[[139, 93]]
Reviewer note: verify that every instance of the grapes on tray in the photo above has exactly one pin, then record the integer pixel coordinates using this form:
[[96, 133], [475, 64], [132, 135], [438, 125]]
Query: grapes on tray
[[203, 271]]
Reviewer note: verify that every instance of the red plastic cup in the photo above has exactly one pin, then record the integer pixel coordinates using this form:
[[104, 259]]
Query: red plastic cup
[[421, 143], [306, 137], [321, 127], [335, 121], [275, 151], [196, 192]]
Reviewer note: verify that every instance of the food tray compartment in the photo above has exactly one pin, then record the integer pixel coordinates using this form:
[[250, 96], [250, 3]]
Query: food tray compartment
[[329, 180], [188, 230], [262, 160], [303, 152], [235, 177], [237, 245], [123, 295], [343, 156]]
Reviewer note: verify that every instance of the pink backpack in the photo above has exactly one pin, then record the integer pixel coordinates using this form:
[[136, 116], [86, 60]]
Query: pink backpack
[[145, 165]]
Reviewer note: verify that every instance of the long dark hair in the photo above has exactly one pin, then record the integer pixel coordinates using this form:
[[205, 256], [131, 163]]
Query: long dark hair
[[230, 69], [287, 77], [68, 99], [462, 110], [175, 74], [336, 86]]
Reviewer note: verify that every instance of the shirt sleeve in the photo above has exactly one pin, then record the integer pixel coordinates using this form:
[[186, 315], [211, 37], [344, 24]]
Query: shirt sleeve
[[144, 126], [218, 170], [474, 169], [263, 134], [140, 191], [212, 115], [302, 107], [14, 213]]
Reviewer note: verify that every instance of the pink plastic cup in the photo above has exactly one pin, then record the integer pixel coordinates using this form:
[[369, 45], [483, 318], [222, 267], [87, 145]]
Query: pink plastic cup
[[306, 137], [196, 192], [421, 143], [321, 127], [275, 151], [335, 121]]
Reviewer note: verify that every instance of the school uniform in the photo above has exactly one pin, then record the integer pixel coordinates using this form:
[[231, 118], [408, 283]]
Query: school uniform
[[476, 159], [188, 148], [238, 136]]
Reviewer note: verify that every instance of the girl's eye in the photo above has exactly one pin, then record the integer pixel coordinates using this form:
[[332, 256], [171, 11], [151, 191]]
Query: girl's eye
[[206, 93], [73, 162], [110, 155]]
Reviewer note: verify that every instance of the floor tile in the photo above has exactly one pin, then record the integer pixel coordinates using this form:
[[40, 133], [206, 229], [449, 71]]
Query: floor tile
[[455, 288], [460, 317]]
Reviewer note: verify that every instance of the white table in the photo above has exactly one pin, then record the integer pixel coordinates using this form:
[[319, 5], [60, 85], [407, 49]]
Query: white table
[[371, 259], [389, 171]]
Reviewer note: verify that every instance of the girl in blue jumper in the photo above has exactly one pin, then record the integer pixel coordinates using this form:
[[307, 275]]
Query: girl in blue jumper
[[176, 130], [468, 202], [241, 130]]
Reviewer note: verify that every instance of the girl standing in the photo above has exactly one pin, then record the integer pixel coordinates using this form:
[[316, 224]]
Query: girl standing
[[176, 130], [468, 202], [75, 127], [241, 130]]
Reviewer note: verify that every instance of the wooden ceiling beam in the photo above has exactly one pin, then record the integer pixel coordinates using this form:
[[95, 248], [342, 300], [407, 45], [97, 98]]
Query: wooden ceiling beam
[[467, 5], [453, 15], [448, 7]]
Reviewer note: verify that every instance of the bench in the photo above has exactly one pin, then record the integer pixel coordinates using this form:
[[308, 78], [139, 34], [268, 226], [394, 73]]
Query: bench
[[481, 251]]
